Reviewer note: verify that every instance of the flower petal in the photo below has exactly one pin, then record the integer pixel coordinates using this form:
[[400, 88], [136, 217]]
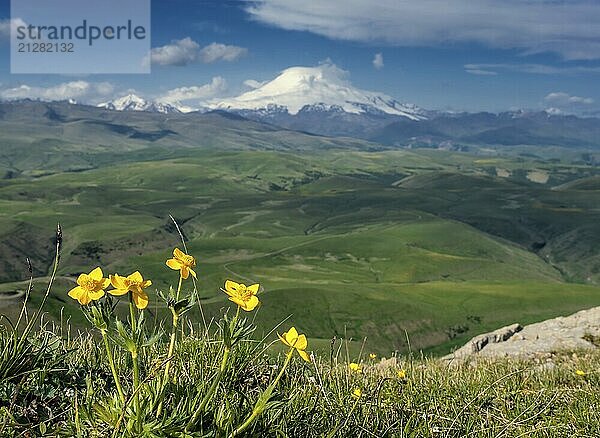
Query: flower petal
[[140, 299], [301, 343], [174, 264], [304, 355], [118, 282], [76, 292], [105, 283], [250, 304], [185, 272], [84, 298], [238, 301], [178, 254], [291, 336], [136, 276], [97, 274], [82, 279], [231, 287], [253, 289], [146, 284], [282, 339], [95, 295], [192, 272], [118, 292]]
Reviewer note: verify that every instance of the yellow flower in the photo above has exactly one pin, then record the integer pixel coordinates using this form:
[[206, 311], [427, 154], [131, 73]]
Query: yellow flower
[[402, 374], [242, 295], [372, 356], [90, 287], [580, 373], [133, 283], [292, 339], [357, 393], [355, 367], [183, 263]]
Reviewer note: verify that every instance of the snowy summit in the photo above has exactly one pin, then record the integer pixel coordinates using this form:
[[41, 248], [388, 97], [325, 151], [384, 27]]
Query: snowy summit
[[132, 102], [321, 88]]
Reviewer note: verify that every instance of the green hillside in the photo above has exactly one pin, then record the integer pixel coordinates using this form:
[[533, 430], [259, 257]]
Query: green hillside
[[347, 238]]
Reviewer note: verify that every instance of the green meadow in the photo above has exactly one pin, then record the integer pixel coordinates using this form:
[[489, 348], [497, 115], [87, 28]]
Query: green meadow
[[370, 251], [410, 250]]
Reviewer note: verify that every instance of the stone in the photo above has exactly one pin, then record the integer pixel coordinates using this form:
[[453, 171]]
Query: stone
[[580, 330]]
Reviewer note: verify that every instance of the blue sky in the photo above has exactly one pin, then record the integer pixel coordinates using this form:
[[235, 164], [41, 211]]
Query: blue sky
[[470, 55]]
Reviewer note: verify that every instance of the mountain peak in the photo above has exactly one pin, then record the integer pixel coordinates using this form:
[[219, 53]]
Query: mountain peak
[[325, 87], [133, 102]]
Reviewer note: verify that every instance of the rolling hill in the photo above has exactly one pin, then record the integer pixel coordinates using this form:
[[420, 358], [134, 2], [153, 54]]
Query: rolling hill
[[351, 238]]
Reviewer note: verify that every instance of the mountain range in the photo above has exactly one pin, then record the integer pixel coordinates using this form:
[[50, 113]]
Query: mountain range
[[132, 102], [321, 100]]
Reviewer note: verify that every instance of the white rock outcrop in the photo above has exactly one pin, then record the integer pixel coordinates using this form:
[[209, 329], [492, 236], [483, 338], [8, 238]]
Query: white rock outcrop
[[578, 331]]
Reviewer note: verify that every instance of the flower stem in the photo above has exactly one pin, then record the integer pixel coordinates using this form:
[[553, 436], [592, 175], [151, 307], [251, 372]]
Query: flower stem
[[134, 359], [111, 362], [213, 387], [171, 345], [262, 401], [173, 334], [211, 391]]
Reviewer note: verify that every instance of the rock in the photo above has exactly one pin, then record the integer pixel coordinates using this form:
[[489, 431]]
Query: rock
[[578, 331], [478, 343]]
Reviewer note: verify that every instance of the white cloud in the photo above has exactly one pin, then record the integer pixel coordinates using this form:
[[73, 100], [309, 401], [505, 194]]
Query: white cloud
[[76, 90], [554, 111], [7, 24], [378, 61], [251, 83], [195, 93], [531, 26], [221, 52], [179, 52], [186, 51], [480, 72], [562, 99], [541, 69]]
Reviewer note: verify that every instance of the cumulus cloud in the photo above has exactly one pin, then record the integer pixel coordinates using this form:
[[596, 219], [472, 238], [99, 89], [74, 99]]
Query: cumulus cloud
[[186, 51], [7, 24], [562, 99], [179, 52], [196, 93], [532, 26], [251, 83], [221, 52], [76, 90], [378, 61], [541, 69]]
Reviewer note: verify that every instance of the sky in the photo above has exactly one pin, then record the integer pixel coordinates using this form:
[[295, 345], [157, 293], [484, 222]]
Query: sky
[[463, 55]]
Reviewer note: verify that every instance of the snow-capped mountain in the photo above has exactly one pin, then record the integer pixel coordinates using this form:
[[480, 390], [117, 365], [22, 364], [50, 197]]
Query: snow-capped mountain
[[131, 102], [324, 88]]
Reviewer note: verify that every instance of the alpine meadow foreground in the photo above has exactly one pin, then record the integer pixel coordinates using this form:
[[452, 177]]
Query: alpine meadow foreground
[[125, 378]]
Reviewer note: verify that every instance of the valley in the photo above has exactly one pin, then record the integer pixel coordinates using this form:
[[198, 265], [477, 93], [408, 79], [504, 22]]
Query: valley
[[411, 249]]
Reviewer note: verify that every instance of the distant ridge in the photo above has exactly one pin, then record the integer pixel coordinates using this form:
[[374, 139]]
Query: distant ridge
[[132, 102]]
